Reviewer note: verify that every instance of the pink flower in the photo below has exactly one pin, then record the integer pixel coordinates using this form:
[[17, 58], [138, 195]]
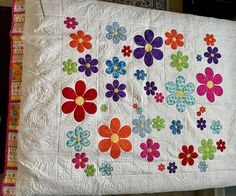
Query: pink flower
[[70, 22], [80, 160], [159, 97], [209, 84], [150, 150]]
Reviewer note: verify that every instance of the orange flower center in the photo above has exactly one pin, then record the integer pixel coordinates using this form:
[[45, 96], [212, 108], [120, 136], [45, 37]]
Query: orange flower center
[[210, 84], [210, 40], [188, 155], [87, 65], [115, 138], [79, 100], [174, 39], [149, 150], [80, 40]]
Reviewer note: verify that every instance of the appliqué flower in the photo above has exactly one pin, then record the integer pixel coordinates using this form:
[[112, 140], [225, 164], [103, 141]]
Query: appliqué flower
[[80, 160], [216, 127], [150, 150], [115, 138], [159, 97], [79, 101], [199, 113], [69, 66], [203, 166], [140, 75], [158, 123], [176, 127], [202, 109], [115, 90], [180, 94], [70, 23], [210, 40], [90, 170], [212, 55], [115, 67], [88, 65], [207, 149], [149, 47], [199, 57], [116, 33], [142, 126], [106, 169], [201, 123], [188, 155], [126, 51], [209, 84], [135, 106], [103, 107], [174, 39], [161, 167], [139, 110], [221, 145], [78, 138], [172, 167], [179, 61], [150, 88]]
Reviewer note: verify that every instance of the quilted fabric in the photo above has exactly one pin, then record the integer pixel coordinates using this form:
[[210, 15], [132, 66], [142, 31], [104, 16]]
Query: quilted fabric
[[119, 99]]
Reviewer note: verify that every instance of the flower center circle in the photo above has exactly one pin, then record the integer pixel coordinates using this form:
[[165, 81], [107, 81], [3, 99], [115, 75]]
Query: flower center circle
[[80, 160], [115, 33], [212, 55], [78, 139], [150, 88], [142, 125], [174, 39], [210, 84], [149, 150], [207, 149], [115, 138], [115, 67], [116, 90], [188, 155], [87, 65], [79, 100], [148, 48], [210, 39], [180, 94], [179, 61], [80, 40]]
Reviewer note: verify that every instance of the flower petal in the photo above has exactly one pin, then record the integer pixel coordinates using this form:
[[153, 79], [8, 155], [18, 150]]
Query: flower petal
[[149, 143], [143, 146], [68, 93], [125, 145], [68, 107], [90, 107], [189, 100], [150, 157], [71, 142], [104, 145], [180, 105], [171, 87], [201, 78], [189, 88], [115, 125], [104, 131], [139, 53], [217, 79], [171, 99], [90, 94], [79, 114], [124, 132], [139, 40], [157, 42], [210, 95], [209, 73], [78, 146], [201, 90], [217, 90], [80, 88], [180, 82], [85, 142], [149, 35], [158, 54], [115, 151], [148, 59]]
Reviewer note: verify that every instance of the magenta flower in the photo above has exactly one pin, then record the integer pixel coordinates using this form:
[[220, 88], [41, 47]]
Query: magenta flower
[[70, 22], [80, 160], [150, 150], [209, 84]]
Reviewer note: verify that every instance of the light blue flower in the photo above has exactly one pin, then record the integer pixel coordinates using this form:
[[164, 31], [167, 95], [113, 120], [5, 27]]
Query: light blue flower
[[216, 127], [115, 67], [116, 33], [139, 110], [176, 127], [199, 57], [142, 126], [106, 169], [180, 94], [140, 75], [202, 166], [78, 139]]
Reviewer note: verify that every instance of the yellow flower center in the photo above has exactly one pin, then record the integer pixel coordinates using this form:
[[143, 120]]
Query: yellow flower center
[[210, 40], [80, 40], [87, 65], [115, 138], [79, 100], [115, 33], [149, 88], [212, 55], [142, 125], [188, 155], [115, 67], [149, 150], [78, 139], [179, 61], [148, 48], [174, 39], [207, 149], [210, 84], [180, 94], [116, 90]]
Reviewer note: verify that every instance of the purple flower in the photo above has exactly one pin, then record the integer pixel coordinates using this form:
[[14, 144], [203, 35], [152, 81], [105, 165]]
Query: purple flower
[[201, 123], [115, 90], [212, 55], [88, 65], [150, 88], [150, 150], [148, 48], [172, 167]]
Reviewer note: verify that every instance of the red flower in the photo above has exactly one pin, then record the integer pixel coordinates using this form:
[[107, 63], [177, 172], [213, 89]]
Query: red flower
[[126, 51], [188, 155], [199, 113], [79, 101], [159, 97], [161, 167], [221, 145], [135, 106], [210, 40], [174, 39], [202, 109]]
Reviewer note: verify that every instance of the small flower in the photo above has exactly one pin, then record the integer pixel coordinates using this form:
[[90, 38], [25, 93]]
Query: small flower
[[80, 160], [216, 127], [140, 75], [202, 166], [150, 150], [172, 167], [78, 138], [188, 155], [90, 170], [70, 22], [139, 110], [161, 167], [207, 149], [88, 65], [199, 113], [202, 109], [116, 33], [201, 123], [115, 67], [103, 107], [179, 61], [174, 39], [158, 123], [212, 55], [142, 126], [106, 169], [135, 106], [221, 145], [159, 97], [176, 127], [115, 90], [199, 57], [126, 51], [210, 40], [69, 66], [150, 88]]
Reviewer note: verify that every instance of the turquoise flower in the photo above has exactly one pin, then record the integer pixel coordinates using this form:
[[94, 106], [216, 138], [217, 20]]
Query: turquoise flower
[[116, 33], [115, 67], [139, 110], [142, 126], [216, 126], [106, 169], [202, 166], [180, 94], [78, 139]]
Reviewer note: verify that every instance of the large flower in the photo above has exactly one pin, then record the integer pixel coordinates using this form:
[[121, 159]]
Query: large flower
[[116, 33], [179, 61], [180, 94], [70, 22], [188, 155], [79, 101], [158, 123], [174, 39], [115, 90], [212, 55], [209, 84], [115, 138], [150, 150], [88, 65], [80, 41], [80, 160], [142, 126], [207, 149], [210, 39], [149, 47], [115, 67]]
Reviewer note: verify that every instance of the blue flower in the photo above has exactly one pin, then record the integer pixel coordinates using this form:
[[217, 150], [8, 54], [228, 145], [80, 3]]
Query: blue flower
[[140, 74], [142, 126], [176, 127], [202, 166], [115, 67], [106, 169], [78, 138], [199, 57], [116, 33], [216, 126]]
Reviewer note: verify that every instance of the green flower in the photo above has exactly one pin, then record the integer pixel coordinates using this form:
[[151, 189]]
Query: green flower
[[106, 169], [139, 110], [180, 61], [158, 123], [90, 170], [103, 107], [207, 149], [69, 66]]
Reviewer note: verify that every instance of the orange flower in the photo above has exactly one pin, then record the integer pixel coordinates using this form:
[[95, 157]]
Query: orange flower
[[80, 41], [202, 109], [210, 39], [161, 167], [174, 39], [114, 138]]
